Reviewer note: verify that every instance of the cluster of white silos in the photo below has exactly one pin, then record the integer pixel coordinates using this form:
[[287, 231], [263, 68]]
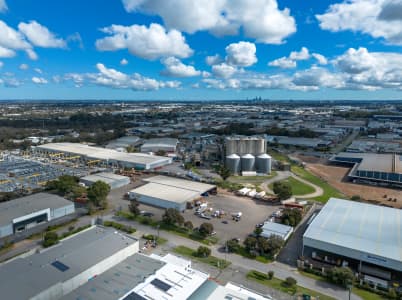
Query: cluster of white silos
[[247, 155]]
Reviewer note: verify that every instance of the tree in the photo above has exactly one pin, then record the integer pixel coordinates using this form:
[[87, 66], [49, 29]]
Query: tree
[[131, 149], [340, 275], [258, 231], [250, 243], [63, 185], [51, 238], [97, 194], [224, 172], [203, 251], [275, 243], [356, 198], [232, 245], [189, 225], [282, 189], [290, 282], [172, 216], [133, 207], [270, 275], [291, 216], [206, 229]]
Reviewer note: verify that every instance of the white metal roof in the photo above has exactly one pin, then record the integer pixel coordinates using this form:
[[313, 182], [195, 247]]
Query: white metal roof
[[105, 154], [165, 192], [181, 183], [358, 230], [272, 228]]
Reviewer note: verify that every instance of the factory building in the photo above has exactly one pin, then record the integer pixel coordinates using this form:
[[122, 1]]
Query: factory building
[[362, 236], [247, 155], [168, 277], [169, 145], [55, 272], [109, 157], [373, 168], [113, 180], [170, 192], [27, 212]]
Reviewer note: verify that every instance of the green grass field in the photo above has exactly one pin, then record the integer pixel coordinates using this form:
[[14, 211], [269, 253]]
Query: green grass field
[[210, 260], [298, 188], [329, 191], [278, 284]]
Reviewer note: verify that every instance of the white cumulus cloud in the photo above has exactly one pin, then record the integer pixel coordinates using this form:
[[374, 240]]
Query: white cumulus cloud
[[23, 67], [321, 59], [40, 36], [283, 63], [151, 42], [223, 70], [5, 52], [39, 80], [112, 78], [378, 18], [261, 20], [213, 60], [241, 54], [175, 68], [124, 62]]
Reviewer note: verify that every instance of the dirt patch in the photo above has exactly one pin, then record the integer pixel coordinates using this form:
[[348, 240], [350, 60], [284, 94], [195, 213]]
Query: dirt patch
[[336, 176]]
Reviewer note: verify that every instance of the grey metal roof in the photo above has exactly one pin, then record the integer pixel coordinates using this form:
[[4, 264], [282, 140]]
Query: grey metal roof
[[376, 161], [26, 205], [358, 230], [169, 142], [105, 177], [181, 183], [117, 281], [24, 278]]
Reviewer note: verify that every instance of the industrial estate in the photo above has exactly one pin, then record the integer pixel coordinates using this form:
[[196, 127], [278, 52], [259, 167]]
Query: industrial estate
[[239, 200]]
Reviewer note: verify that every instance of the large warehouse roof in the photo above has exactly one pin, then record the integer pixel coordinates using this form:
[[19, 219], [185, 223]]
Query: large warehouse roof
[[105, 154], [117, 281], [166, 192], [198, 187], [23, 278], [26, 205], [358, 230], [389, 163], [161, 142]]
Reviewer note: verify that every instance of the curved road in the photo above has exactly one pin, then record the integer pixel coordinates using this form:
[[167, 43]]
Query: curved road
[[286, 174]]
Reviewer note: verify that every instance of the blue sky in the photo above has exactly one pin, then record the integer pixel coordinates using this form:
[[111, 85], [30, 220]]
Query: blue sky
[[206, 49]]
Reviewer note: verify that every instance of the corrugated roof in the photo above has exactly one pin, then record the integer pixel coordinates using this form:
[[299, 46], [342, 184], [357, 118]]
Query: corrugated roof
[[165, 192], [23, 278], [26, 205], [361, 227]]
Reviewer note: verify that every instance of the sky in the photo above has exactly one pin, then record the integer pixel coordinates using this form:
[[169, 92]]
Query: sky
[[201, 50]]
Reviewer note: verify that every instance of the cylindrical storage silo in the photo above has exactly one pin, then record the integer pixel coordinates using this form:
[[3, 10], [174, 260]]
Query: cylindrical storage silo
[[247, 163], [233, 163], [260, 147], [263, 164], [231, 146]]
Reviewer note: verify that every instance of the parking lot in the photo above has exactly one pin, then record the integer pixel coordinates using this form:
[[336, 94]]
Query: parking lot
[[253, 212]]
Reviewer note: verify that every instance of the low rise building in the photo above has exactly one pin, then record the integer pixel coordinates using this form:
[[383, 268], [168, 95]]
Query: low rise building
[[27, 212], [113, 180]]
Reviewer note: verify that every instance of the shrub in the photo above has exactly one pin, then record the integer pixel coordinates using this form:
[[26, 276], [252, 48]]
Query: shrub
[[203, 251], [290, 282], [270, 275], [50, 239]]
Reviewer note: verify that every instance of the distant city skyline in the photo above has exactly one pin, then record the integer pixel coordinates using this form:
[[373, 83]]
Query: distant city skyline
[[201, 50]]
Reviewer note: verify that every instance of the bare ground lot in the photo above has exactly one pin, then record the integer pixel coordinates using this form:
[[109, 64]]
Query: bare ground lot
[[336, 175]]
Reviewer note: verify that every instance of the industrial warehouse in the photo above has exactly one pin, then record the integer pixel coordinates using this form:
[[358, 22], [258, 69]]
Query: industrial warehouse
[[108, 157], [113, 180], [363, 236], [374, 168], [27, 212], [169, 145], [57, 271], [247, 156], [170, 192]]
